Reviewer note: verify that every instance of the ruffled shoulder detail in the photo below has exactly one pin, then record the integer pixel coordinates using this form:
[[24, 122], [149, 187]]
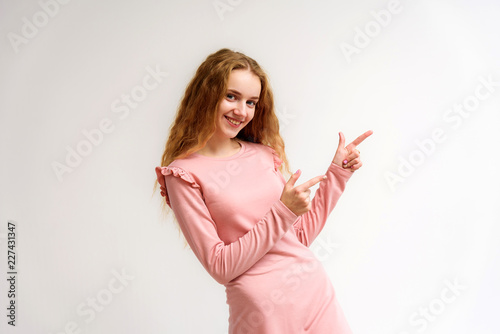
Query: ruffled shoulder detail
[[276, 159], [161, 172]]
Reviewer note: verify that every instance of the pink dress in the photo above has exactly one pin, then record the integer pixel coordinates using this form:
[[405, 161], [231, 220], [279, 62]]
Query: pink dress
[[230, 213]]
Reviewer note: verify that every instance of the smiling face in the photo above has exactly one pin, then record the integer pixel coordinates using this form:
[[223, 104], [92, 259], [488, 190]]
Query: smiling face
[[237, 107]]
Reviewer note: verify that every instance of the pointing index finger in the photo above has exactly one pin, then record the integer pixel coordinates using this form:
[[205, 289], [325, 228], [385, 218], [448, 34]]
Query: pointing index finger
[[312, 182], [360, 139]]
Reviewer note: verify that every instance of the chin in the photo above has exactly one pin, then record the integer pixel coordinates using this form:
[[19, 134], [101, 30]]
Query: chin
[[232, 135]]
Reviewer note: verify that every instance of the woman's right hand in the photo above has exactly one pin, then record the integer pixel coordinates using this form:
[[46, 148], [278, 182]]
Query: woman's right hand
[[297, 198]]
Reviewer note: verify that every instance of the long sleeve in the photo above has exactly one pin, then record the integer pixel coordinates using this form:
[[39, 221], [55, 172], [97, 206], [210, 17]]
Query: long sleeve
[[224, 262], [310, 224]]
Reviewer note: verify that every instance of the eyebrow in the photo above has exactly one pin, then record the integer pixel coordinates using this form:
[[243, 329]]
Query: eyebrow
[[238, 93]]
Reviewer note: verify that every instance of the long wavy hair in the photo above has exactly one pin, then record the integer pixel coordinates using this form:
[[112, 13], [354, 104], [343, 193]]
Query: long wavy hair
[[195, 121]]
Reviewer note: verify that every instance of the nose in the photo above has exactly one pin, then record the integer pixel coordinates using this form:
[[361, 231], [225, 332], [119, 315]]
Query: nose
[[241, 109]]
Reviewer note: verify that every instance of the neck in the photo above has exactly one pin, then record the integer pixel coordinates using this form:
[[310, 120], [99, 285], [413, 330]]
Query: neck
[[220, 147]]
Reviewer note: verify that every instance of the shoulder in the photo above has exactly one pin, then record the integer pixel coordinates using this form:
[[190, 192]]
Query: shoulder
[[165, 175], [177, 172], [179, 168]]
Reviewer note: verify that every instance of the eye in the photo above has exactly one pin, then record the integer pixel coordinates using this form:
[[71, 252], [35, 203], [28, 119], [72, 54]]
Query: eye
[[230, 96], [251, 103]]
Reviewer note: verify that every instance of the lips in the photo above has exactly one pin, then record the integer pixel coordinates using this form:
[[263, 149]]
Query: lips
[[233, 122]]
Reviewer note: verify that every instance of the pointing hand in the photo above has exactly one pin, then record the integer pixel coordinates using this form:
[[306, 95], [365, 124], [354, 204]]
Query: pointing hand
[[348, 156], [297, 198]]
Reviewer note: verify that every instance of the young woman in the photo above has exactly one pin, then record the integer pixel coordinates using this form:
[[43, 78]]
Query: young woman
[[247, 225]]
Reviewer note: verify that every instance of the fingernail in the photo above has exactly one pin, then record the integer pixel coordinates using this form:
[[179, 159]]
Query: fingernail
[[297, 171], [345, 162], [324, 177]]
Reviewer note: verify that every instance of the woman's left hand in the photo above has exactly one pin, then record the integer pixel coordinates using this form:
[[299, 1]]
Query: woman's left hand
[[347, 157]]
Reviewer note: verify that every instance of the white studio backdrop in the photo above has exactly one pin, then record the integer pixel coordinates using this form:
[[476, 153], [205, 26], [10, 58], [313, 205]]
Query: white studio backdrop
[[90, 88]]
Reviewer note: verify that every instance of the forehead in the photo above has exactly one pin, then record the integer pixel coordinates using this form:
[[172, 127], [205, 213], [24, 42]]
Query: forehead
[[245, 82]]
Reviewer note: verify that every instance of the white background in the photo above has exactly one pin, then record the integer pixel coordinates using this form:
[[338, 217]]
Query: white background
[[397, 248]]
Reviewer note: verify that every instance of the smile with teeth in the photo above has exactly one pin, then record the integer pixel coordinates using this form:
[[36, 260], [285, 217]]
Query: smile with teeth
[[233, 121]]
